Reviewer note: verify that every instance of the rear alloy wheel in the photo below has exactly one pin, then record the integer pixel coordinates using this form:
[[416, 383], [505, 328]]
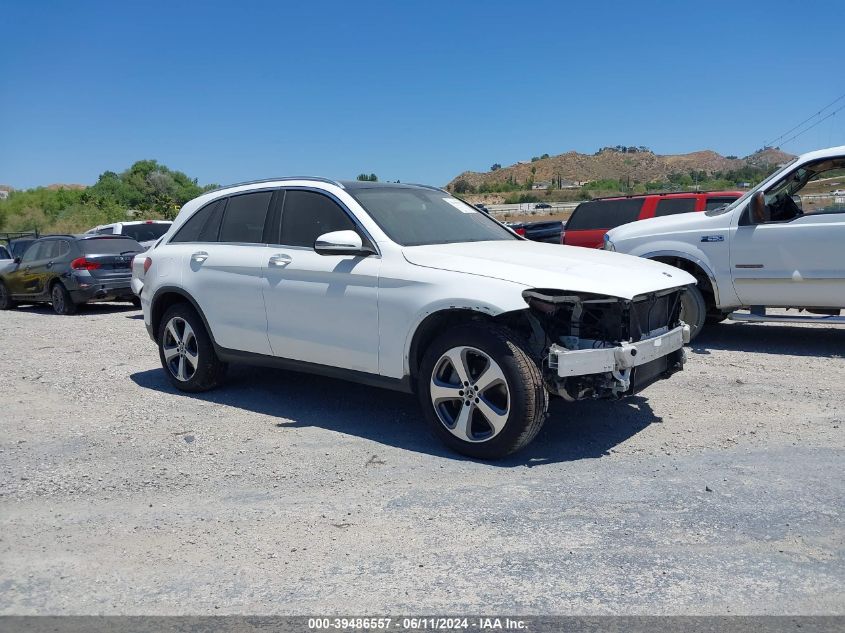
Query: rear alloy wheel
[[62, 303], [6, 302], [186, 351], [481, 393], [693, 310]]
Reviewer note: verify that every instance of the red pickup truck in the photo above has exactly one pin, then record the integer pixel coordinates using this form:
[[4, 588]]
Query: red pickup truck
[[592, 219]]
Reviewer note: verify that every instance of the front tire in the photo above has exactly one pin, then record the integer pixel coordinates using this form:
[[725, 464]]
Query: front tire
[[693, 310], [186, 351], [6, 302], [61, 300], [481, 393]]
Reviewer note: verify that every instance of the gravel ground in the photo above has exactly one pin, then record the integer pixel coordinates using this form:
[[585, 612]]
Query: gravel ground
[[718, 491]]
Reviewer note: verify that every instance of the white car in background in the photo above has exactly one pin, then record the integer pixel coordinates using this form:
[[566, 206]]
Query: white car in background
[[771, 248], [406, 287], [145, 232]]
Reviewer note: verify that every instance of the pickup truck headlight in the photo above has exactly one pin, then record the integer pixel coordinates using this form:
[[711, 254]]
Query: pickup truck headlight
[[608, 244]]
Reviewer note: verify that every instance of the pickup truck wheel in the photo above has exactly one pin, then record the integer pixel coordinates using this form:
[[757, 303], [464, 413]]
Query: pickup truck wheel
[[6, 302], [186, 351], [693, 310], [60, 298], [481, 393]]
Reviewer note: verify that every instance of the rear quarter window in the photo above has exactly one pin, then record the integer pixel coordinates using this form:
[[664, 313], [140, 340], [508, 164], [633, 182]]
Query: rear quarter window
[[673, 206], [715, 203], [604, 214]]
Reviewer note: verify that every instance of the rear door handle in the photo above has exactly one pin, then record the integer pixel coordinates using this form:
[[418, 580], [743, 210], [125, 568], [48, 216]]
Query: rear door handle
[[280, 260], [199, 257]]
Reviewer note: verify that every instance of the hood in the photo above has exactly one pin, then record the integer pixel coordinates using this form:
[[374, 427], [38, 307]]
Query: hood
[[670, 224], [539, 265]]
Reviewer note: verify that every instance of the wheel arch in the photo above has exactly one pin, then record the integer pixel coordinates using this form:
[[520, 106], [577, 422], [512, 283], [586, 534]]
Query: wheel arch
[[431, 326], [704, 276], [440, 320], [168, 296]]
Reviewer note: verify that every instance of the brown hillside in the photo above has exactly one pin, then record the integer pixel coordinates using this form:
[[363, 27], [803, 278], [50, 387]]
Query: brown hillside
[[639, 167], [56, 186]]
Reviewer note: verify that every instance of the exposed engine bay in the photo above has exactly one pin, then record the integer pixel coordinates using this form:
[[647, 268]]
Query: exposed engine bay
[[564, 325]]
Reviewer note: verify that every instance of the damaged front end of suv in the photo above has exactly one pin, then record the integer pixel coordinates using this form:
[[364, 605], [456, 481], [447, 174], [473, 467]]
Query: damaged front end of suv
[[597, 346]]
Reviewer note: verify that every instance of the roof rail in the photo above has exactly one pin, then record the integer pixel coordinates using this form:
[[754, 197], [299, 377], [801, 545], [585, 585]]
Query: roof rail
[[416, 184], [661, 193], [330, 181]]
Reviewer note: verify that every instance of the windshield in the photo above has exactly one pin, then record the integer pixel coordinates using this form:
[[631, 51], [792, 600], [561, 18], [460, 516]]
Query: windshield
[[745, 196], [412, 217], [145, 232]]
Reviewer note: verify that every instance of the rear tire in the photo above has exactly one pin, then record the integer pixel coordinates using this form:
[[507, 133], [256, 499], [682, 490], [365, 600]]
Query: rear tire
[[494, 404], [61, 300], [693, 310], [187, 352], [6, 302], [136, 301]]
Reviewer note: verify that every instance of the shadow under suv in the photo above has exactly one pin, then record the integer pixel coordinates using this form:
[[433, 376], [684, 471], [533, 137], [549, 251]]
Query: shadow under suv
[[68, 270]]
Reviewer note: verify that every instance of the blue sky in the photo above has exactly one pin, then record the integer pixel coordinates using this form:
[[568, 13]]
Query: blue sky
[[416, 91]]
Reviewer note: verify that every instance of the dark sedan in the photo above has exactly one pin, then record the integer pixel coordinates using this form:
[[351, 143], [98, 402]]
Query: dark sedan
[[540, 231], [68, 270]]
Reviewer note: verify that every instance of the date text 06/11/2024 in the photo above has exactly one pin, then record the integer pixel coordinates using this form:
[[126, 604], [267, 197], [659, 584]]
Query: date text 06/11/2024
[[416, 623]]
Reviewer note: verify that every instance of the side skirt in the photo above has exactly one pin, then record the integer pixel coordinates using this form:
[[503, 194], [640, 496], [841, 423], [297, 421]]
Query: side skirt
[[373, 380]]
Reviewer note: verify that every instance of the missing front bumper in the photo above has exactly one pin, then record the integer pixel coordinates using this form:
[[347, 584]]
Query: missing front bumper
[[616, 370]]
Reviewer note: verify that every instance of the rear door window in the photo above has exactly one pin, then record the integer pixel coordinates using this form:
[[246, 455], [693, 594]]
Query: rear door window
[[307, 215], [673, 206], [243, 221], [604, 214]]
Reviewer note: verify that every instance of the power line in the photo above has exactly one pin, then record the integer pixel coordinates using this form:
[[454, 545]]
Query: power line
[[789, 131], [792, 138]]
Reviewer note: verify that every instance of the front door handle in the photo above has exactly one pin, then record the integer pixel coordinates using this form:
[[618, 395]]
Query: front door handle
[[199, 257], [280, 260]]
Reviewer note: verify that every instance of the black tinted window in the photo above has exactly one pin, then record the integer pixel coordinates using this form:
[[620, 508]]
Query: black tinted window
[[307, 215], [204, 225], [604, 214], [145, 232], [4, 254], [110, 246], [244, 218], [715, 203], [671, 206], [18, 247]]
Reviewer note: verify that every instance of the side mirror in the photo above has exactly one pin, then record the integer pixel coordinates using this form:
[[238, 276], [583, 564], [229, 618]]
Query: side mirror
[[17, 260], [757, 208], [341, 243]]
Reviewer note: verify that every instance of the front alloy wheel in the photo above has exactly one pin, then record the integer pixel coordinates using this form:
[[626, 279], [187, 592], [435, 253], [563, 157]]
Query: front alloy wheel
[[469, 394], [481, 391], [180, 349]]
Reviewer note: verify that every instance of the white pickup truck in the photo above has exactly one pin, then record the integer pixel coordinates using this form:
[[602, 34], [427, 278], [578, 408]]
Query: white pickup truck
[[781, 245]]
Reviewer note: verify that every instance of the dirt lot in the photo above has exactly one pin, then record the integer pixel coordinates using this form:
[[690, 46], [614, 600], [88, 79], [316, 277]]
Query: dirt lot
[[718, 491]]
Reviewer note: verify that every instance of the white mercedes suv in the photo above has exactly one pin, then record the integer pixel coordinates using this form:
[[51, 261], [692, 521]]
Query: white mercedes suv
[[406, 287]]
